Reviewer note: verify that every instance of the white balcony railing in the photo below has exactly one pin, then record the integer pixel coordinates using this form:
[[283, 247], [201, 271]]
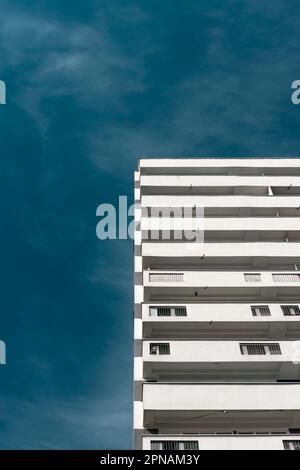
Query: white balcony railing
[[165, 277], [252, 277], [282, 277]]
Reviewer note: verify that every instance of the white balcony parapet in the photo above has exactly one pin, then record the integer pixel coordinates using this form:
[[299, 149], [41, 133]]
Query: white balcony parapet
[[214, 162], [219, 201], [220, 223], [177, 181], [219, 351], [219, 279], [222, 396], [216, 312], [219, 442], [165, 277], [194, 249]]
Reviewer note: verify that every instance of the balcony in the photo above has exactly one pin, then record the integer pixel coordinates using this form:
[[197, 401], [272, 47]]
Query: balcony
[[220, 321], [219, 278], [182, 200], [212, 230], [174, 255], [221, 166], [221, 285], [219, 442], [228, 250], [220, 224], [220, 360], [234, 408], [216, 184]]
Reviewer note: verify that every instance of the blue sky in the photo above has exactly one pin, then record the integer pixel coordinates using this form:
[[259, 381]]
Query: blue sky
[[91, 86]]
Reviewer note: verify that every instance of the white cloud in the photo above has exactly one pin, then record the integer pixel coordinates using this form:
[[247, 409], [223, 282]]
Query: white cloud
[[80, 423], [53, 58]]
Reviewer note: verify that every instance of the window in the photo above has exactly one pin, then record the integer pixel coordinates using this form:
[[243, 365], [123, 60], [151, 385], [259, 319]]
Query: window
[[159, 348], [259, 349], [174, 445], [260, 311], [286, 277], [291, 445], [168, 311], [252, 277], [289, 310], [165, 277]]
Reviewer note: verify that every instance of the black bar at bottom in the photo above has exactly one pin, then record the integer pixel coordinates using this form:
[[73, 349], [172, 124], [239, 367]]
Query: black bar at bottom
[[134, 459]]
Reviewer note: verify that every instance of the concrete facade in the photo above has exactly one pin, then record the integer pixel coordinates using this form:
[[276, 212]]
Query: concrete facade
[[217, 317]]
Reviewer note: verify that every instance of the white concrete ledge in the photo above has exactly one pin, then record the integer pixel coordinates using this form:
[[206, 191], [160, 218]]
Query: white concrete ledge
[[192, 249], [217, 442], [220, 201], [257, 396], [196, 162], [220, 223], [179, 181]]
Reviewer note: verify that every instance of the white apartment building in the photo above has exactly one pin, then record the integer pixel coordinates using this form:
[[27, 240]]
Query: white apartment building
[[217, 320]]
